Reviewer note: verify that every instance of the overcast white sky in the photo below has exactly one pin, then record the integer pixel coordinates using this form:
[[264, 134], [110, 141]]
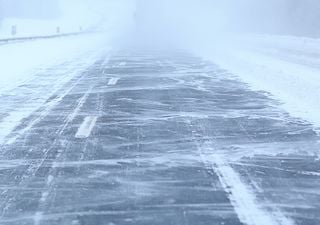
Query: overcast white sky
[[298, 17]]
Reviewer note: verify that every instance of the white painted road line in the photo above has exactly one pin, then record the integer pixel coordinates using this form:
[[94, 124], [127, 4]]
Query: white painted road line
[[113, 81], [119, 65], [86, 127], [242, 197], [75, 112]]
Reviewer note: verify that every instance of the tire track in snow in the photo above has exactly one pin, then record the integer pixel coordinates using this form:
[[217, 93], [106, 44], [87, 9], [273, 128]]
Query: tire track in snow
[[50, 179], [45, 112], [32, 170], [76, 111], [51, 86], [50, 189]]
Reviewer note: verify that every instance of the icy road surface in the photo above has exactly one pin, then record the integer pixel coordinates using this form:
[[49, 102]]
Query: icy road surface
[[153, 139]]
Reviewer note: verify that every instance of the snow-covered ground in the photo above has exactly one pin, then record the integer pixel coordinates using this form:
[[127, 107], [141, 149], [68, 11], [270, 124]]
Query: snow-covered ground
[[287, 67], [33, 71], [73, 16], [29, 27], [21, 61]]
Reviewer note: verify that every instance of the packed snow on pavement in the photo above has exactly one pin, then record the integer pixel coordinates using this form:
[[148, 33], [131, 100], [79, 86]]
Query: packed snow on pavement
[[158, 114], [287, 67]]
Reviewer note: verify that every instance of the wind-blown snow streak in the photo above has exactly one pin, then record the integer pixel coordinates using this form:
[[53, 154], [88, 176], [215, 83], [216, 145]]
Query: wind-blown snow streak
[[47, 109], [287, 67], [75, 112], [242, 197], [10, 122], [50, 179], [40, 88]]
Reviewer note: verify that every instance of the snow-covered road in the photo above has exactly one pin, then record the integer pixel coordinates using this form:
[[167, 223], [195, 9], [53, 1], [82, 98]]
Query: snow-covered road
[[288, 67], [153, 138]]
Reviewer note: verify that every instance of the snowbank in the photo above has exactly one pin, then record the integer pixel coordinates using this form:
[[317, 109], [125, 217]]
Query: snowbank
[[21, 61], [287, 67]]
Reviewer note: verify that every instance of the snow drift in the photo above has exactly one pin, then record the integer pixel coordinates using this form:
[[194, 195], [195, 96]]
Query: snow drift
[[264, 43]]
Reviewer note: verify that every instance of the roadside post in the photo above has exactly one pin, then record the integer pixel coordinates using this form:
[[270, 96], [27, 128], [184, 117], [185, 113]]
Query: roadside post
[[14, 30]]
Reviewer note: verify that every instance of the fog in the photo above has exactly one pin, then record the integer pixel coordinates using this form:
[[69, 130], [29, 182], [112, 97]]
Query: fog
[[88, 14], [31, 9], [175, 22], [183, 21]]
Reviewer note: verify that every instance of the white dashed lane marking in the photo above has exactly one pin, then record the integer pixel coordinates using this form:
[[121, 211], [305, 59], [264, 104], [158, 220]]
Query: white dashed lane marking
[[86, 127], [113, 81]]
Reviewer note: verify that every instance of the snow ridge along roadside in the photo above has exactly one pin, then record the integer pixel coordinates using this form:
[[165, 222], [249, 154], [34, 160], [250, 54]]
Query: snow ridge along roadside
[[32, 85], [287, 67]]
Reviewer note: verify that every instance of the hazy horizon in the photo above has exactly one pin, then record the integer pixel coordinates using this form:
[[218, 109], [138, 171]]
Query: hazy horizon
[[182, 17]]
